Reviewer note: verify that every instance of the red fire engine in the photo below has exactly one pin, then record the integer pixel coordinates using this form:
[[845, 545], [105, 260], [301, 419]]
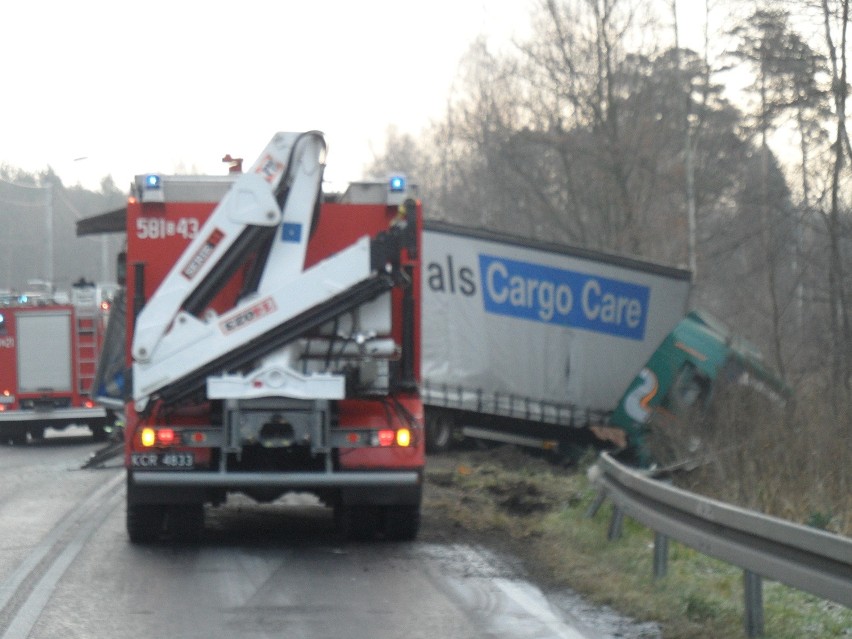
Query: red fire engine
[[48, 355], [273, 340]]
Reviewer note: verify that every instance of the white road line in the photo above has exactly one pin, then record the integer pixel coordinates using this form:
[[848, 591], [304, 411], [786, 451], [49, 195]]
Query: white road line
[[538, 608], [94, 509]]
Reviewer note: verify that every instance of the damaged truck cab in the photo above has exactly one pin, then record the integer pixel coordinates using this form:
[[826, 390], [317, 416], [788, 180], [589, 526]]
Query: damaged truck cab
[[667, 412]]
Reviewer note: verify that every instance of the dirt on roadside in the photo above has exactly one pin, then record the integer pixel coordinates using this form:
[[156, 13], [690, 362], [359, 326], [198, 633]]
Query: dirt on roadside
[[496, 498]]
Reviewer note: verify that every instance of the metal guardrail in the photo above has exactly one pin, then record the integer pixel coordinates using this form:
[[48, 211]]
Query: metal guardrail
[[808, 559]]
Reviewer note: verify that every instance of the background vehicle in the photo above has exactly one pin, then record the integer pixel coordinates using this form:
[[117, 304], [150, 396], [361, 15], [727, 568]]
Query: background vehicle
[[49, 344]]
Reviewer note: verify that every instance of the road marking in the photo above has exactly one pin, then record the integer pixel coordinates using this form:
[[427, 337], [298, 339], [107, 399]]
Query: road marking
[[538, 609], [93, 511]]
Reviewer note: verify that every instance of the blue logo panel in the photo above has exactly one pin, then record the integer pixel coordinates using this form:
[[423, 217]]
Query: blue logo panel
[[567, 298], [291, 232]]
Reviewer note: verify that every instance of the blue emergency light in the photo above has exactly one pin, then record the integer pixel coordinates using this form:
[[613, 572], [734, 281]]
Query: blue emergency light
[[397, 184], [152, 181]]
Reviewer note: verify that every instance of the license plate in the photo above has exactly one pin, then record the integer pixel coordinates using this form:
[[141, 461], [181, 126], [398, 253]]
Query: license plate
[[170, 461]]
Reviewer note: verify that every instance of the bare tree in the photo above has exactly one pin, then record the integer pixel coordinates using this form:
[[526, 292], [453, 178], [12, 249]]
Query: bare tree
[[836, 21]]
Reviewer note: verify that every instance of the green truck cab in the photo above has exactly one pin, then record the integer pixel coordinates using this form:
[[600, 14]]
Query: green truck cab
[[672, 398]]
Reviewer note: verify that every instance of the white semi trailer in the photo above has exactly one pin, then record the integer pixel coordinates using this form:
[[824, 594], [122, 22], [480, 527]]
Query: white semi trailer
[[532, 343]]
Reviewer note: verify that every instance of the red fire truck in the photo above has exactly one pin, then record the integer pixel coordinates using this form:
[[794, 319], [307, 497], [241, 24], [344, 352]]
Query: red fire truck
[[273, 344], [48, 355]]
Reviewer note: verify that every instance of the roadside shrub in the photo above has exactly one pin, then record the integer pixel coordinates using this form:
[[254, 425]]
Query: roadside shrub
[[788, 461]]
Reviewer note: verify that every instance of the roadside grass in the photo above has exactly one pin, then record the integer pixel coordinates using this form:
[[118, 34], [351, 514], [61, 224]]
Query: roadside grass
[[539, 511]]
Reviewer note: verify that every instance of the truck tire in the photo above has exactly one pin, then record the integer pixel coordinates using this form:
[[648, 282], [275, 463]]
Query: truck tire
[[145, 522], [358, 523], [185, 522], [402, 523], [440, 429]]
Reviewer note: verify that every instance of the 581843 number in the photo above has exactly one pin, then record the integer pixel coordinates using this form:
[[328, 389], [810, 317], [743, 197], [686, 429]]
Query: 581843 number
[[156, 228]]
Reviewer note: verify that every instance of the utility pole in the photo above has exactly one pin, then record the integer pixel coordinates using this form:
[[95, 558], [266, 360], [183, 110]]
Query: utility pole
[[48, 228], [688, 160], [104, 258]]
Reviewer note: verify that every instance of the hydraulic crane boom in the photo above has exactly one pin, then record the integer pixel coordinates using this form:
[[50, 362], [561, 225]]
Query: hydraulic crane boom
[[268, 212]]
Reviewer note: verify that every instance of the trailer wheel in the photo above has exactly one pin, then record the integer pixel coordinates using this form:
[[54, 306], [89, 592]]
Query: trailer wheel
[[440, 428], [145, 522], [402, 523]]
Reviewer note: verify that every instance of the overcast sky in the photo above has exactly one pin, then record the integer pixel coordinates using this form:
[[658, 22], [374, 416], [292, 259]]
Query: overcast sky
[[97, 87], [118, 87]]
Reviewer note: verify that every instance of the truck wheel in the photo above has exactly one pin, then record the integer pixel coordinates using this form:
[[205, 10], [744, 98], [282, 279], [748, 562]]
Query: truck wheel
[[18, 437], [402, 523], [144, 522], [184, 522], [439, 431], [37, 433], [359, 523]]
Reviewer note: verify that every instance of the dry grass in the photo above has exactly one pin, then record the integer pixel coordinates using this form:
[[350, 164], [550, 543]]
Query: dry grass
[[797, 466]]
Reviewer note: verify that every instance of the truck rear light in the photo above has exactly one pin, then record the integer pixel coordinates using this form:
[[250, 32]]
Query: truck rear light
[[389, 437], [158, 437], [166, 436], [88, 404], [403, 437], [148, 437]]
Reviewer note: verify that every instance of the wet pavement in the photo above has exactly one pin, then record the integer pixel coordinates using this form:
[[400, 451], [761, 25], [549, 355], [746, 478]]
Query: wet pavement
[[67, 569]]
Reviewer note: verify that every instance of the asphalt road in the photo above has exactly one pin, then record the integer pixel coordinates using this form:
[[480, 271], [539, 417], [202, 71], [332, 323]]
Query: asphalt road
[[67, 569]]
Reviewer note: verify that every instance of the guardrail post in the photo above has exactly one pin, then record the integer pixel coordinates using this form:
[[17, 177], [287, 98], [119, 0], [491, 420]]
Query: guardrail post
[[596, 504], [753, 586], [615, 523], [661, 555]]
